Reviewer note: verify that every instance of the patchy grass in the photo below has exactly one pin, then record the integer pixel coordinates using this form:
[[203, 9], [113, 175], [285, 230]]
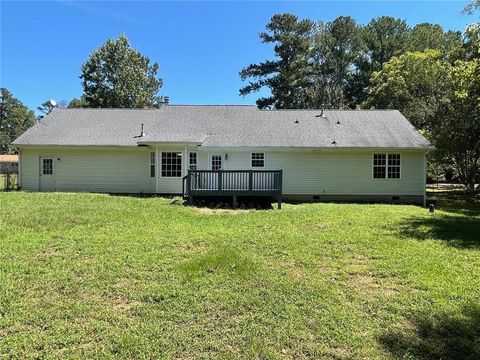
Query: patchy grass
[[99, 276]]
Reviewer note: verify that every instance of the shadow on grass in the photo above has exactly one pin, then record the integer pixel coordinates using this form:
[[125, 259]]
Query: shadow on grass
[[456, 230], [457, 203], [448, 337]]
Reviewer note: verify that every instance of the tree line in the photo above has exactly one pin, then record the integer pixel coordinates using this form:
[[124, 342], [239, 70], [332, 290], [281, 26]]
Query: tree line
[[432, 76]]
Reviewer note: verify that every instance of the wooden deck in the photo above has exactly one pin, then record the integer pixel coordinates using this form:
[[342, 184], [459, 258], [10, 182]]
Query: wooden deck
[[234, 183]]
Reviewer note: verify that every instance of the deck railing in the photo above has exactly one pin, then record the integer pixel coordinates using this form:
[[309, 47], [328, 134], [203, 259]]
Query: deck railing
[[232, 183]]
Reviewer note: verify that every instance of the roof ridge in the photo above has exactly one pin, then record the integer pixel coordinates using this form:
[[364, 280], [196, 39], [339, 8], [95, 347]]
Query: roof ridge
[[160, 108]]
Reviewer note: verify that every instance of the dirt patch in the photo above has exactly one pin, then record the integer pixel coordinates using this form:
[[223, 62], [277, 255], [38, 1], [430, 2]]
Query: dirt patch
[[369, 284], [121, 303], [195, 246], [293, 268], [213, 211]]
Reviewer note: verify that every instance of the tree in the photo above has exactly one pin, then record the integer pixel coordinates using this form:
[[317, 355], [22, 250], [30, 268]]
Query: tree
[[78, 103], [456, 131], [287, 76], [118, 76], [336, 45], [383, 38], [45, 108], [432, 36], [471, 7], [15, 118], [414, 83], [471, 42]]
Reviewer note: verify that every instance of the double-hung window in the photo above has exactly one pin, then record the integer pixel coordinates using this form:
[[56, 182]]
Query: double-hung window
[[258, 160], [386, 166], [152, 164], [171, 164], [192, 160]]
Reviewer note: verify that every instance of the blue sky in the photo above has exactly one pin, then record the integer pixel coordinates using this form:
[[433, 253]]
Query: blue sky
[[200, 46]]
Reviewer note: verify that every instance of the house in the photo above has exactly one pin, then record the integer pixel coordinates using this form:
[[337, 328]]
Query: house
[[340, 155], [8, 164]]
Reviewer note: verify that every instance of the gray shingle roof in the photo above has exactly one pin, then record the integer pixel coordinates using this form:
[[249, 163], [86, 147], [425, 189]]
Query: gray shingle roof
[[226, 126]]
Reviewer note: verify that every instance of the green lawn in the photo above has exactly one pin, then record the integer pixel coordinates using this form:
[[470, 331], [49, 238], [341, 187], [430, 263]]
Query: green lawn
[[84, 275]]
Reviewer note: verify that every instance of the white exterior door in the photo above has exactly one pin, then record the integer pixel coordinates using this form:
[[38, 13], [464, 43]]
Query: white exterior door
[[170, 171], [47, 174], [216, 163]]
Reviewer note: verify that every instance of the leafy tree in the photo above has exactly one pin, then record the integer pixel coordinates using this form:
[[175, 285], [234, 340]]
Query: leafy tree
[[471, 42], [414, 83], [383, 38], [116, 75], [456, 131], [336, 45], [287, 76], [432, 36], [45, 108], [15, 118], [471, 7], [78, 102]]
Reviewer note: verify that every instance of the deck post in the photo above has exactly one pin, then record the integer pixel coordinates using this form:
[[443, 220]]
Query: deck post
[[280, 190], [250, 181], [188, 190], [234, 201], [220, 180]]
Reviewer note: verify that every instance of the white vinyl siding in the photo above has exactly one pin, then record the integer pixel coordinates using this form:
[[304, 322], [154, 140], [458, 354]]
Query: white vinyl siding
[[330, 172], [305, 172], [91, 170]]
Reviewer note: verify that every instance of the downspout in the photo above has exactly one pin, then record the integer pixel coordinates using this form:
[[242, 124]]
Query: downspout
[[185, 163], [157, 169], [19, 180], [424, 179]]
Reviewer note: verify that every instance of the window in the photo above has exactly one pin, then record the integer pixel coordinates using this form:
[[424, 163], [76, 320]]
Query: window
[[394, 166], [47, 166], [379, 163], [192, 160], [171, 164], [152, 164], [216, 162], [386, 166], [258, 160]]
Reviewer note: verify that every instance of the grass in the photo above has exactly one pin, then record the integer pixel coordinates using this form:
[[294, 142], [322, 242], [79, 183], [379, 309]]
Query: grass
[[99, 276]]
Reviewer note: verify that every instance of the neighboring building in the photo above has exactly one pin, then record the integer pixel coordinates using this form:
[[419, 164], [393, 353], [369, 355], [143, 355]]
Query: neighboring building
[[8, 164], [346, 155]]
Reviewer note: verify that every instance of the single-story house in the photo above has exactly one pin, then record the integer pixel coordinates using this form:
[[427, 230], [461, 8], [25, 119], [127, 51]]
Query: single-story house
[[202, 150], [8, 164]]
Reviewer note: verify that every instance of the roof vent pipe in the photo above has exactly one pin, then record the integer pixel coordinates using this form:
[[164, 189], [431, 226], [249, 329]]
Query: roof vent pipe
[[142, 133]]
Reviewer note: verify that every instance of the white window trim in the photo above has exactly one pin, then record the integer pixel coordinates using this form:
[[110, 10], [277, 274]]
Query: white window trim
[[222, 157], [161, 164], [386, 166], [264, 160], [154, 164], [189, 164]]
